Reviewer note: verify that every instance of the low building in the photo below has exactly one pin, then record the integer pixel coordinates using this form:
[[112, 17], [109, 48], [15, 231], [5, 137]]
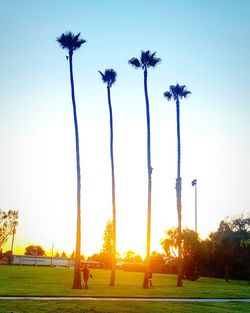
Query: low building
[[49, 261]]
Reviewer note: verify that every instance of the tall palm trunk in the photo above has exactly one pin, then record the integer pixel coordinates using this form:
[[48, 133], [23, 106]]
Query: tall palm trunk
[[146, 273], [77, 274], [112, 277], [178, 195]]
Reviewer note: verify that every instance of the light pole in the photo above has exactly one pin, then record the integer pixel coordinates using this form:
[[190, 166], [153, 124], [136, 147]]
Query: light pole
[[36, 257], [194, 183], [52, 251]]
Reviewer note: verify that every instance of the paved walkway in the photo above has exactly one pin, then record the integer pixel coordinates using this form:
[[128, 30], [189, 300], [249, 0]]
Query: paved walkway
[[125, 299]]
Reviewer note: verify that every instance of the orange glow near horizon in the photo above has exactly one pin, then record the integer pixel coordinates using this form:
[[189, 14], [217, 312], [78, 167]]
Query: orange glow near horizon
[[93, 247]]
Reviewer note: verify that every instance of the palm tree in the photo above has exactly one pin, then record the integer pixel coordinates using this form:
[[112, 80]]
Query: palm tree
[[146, 61], [109, 77], [72, 42], [176, 93]]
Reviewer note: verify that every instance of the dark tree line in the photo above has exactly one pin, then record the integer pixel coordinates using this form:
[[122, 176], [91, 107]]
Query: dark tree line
[[224, 254], [229, 250]]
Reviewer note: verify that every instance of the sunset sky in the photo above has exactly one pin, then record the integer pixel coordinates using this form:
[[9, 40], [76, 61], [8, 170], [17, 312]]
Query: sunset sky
[[203, 44]]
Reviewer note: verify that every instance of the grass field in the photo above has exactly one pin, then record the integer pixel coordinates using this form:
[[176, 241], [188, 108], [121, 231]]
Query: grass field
[[27, 306], [38, 281]]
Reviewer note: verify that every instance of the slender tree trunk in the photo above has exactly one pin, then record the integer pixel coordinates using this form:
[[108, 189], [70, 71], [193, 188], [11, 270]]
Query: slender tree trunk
[[178, 195], [77, 273], [112, 277], [147, 260]]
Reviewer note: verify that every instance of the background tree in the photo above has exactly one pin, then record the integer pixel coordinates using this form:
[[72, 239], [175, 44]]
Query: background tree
[[191, 248], [229, 257], [191, 254], [72, 42], [157, 262], [8, 224], [105, 255], [132, 257], [107, 247], [225, 253], [169, 242], [109, 78], [146, 61], [34, 250], [5, 257], [64, 255], [240, 223], [176, 93]]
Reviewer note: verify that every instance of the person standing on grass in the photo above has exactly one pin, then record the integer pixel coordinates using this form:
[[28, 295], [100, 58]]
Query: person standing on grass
[[86, 275], [150, 277]]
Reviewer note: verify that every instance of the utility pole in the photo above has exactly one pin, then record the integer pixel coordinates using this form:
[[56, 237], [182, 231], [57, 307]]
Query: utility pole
[[12, 244], [194, 184], [52, 251]]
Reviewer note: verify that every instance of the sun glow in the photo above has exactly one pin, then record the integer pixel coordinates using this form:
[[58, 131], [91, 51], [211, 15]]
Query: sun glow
[[48, 213], [52, 218]]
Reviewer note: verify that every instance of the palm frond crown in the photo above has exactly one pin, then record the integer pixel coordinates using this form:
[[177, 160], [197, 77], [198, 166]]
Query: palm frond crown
[[145, 55], [70, 41], [134, 62], [109, 76], [177, 92], [167, 95], [148, 59]]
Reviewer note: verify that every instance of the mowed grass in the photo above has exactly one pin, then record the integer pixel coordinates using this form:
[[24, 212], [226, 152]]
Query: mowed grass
[[39, 281], [25, 306]]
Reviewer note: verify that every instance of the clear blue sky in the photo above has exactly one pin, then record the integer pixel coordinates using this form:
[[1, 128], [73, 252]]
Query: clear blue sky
[[203, 44]]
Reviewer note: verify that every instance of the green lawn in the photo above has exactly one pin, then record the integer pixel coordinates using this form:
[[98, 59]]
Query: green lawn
[[31, 281], [28, 281], [14, 306]]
